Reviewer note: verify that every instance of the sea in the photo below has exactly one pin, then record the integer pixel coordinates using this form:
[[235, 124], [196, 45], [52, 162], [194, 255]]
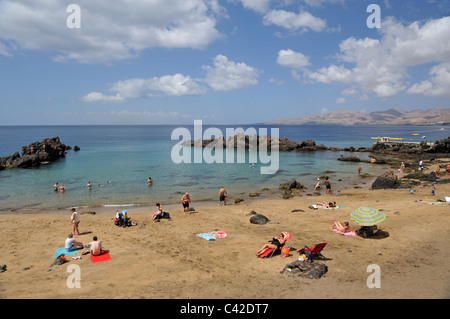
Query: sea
[[118, 160]]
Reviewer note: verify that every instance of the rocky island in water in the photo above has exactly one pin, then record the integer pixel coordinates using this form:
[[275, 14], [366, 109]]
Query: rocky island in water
[[46, 151]]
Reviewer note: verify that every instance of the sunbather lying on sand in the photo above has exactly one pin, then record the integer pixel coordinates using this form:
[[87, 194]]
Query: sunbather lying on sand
[[338, 226], [326, 205]]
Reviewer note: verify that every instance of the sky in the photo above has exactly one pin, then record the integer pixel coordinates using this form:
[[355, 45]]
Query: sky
[[101, 62]]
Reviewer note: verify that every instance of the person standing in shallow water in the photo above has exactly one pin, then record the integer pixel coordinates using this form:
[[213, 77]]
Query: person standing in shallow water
[[222, 196], [328, 186]]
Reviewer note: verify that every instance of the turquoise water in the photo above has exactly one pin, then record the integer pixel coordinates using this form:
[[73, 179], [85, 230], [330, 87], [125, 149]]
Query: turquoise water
[[121, 158]]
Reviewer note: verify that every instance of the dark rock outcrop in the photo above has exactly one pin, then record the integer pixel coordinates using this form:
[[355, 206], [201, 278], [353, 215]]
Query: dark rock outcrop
[[431, 177], [48, 150], [259, 219], [312, 270], [291, 189], [386, 181]]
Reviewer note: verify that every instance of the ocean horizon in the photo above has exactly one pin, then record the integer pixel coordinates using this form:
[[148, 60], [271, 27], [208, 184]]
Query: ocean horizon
[[118, 160]]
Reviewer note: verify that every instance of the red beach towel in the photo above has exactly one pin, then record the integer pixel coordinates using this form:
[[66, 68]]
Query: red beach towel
[[104, 256]]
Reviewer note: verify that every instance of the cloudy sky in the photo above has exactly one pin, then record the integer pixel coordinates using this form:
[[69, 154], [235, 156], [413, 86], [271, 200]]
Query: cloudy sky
[[221, 61]]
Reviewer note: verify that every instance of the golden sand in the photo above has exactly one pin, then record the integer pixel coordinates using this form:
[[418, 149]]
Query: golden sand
[[167, 259]]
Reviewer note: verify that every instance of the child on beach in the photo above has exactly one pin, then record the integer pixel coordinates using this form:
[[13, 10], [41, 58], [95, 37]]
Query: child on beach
[[317, 184], [433, 189]]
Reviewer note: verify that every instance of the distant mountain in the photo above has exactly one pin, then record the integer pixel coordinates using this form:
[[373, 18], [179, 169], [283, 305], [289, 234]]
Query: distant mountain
[[394, 116]]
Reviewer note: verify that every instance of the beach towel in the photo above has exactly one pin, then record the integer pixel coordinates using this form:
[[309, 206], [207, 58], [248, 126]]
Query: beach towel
[[104, 256], [321, 207], [213, 235], [266, 253], [447, 199], [63, 251], [350, 233]]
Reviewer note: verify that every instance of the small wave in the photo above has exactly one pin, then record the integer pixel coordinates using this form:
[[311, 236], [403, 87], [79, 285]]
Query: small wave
[[120, 205]]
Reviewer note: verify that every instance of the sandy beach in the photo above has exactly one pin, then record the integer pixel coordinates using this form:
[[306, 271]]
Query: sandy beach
[[167, 260]]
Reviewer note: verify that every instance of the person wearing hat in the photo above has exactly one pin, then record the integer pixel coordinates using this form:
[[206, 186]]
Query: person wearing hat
[[185, 200], [75, 221], [317, 184]]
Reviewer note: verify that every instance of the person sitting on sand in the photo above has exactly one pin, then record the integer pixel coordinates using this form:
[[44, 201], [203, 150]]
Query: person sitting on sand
[[160, 214], [275, 243], [71, 244], [96, 246], [121, 218], [338, 226]]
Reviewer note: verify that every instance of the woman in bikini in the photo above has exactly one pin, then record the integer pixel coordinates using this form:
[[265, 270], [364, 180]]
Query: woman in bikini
[[275, 243], [338, 226]]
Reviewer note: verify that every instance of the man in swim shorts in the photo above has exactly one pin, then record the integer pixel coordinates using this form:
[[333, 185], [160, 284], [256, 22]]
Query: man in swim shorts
[[185, 200], [222, 196], [96, 246]]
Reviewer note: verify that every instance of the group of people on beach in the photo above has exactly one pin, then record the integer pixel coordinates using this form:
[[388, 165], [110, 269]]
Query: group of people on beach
[[95, 247]]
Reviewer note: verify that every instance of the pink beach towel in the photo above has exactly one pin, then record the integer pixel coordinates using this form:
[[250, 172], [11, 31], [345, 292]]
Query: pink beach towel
[[350, 233]]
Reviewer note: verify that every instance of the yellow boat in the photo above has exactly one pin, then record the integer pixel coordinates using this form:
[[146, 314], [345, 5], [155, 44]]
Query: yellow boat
[[414, 134]]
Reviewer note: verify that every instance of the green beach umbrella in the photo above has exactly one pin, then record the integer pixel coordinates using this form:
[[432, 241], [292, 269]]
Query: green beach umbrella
[[367, 216]]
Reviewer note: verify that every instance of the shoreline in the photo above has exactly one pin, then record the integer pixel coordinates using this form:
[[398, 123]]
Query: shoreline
[[264, 195]]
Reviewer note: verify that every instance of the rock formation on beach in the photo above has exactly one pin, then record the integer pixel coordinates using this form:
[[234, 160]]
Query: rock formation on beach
[[46, 151]]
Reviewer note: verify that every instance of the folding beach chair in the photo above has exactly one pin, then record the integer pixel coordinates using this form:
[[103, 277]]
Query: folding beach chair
[[268, 253], [315, 251]]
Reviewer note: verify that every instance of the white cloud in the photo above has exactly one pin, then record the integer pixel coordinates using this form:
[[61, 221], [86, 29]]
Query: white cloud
[[110, 31], [293, 21], [95, 97], [437, 85], [341, 100], [381, 66], [318, 3], [292, 59], [168, 85], [256, 5], [228, 75], [331, 74]]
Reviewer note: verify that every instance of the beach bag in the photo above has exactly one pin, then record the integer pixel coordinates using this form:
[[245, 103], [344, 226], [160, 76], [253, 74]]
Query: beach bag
[[285, 251]]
